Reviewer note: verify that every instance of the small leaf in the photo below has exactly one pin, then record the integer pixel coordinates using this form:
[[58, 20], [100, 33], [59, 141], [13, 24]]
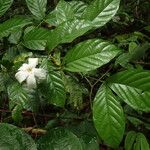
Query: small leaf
[[129, 140], [59, 138], [4, 6], [108, 117], [36, 39], [142, 141], [15, 37], [12, 137], [101, 11], [37, 8], [12, 24], [89, 55], [132, 86]]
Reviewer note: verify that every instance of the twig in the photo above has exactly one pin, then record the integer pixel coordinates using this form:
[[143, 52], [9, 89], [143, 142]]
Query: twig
[[36, 131], [92, 86]]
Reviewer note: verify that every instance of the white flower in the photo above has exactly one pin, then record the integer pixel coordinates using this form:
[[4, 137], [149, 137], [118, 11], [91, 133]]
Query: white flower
[[29, 73]]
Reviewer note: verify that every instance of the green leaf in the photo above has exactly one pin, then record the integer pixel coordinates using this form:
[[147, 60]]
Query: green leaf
[[55, 85], [108, 116], [17, 113], [15, 37], [89, 143], [101, 11], [36, 39], [37, 8], [65, 11], [87, 134], [59, 138], [62, 13], [12, 137], [56, 88], [67, 32], [12, 24], [132, 86], [89, 55], [129, 140], [2, 85], [18, 95], [78, 8], [75, 90], [141, 139], [4, 6]]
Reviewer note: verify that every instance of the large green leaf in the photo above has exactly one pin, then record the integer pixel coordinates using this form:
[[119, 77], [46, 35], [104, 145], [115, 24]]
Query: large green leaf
[[36, 39], [13, 138], [60, 139], [67, 32], [12, 24], [4, 6], [108, 116], [55, 85], [37, 8], [101, 11], [132, 86], [90, 55], [65, 11]]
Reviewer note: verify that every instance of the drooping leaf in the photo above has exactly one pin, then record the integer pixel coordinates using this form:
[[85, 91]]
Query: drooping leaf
[[132, 86], [37, 8], [12, 137], [55, 85], [108, 116], [36, 39], [67, 32], [101, 11], [4, 6], [19, 95], [59, 138], [129, 140], [12, 24], [90, 55]]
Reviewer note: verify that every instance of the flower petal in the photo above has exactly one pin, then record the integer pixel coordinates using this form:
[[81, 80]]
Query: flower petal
[[21, 76], [24, 67], [40, 73], [31, 81], [33, 62]]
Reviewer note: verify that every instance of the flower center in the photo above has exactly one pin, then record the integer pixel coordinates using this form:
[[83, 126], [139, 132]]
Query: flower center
[[29, 69]]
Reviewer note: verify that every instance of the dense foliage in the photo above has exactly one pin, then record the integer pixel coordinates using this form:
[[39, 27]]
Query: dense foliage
[[74, 75]]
